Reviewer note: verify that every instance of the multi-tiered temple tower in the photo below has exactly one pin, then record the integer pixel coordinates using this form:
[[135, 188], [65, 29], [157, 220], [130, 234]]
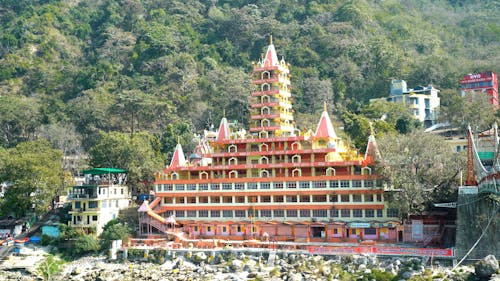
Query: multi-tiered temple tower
[[274, 181]]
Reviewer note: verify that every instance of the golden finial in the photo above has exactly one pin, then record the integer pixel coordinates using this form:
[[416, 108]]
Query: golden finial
[[223, 113], [270, 39], [324, 106], [178, 139]]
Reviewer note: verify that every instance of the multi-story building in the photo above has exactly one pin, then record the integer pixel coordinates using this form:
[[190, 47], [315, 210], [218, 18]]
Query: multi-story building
[[99, 198], [423, 102], [275, 181], [486, 82]]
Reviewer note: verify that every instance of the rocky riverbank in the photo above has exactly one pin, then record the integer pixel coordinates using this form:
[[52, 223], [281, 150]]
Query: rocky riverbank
[[240, 266]]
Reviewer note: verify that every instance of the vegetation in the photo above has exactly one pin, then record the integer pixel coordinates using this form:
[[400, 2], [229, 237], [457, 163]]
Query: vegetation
[[114, 230], [50, 267], [120, 81]]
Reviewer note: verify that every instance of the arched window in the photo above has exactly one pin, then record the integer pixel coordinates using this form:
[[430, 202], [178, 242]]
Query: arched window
[[331, 172], [264, 123], [264, 174], [233, 174], [265, 87], [264, 147], [264, 99], [265, 75], [296, 146], [264, 160], [232, 148], [296, 158], [263, 134], [296, 172], [233, 161], [366, 171], [203, 176], [265, 110], [174, 176]]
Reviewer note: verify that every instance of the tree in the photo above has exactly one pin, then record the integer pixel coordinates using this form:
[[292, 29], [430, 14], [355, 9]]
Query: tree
[[85, 244], [417, 166], [114, 230], [19, 118], [50, 267], [34, 170], [139, 155]]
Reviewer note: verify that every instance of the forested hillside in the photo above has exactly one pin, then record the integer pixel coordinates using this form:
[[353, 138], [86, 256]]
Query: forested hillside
[[77, 72]]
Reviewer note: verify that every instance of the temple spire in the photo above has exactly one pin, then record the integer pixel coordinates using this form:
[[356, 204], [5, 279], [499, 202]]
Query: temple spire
[[325, 127], [178, 159]]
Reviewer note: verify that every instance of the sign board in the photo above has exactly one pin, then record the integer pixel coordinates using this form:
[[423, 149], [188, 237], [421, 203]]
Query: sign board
[[359, 225], [467, 190]]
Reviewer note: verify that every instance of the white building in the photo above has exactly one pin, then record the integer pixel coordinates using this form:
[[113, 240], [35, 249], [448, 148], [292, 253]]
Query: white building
[[99, 198]]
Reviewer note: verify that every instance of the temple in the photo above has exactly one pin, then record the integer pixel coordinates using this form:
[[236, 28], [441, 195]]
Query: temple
[[273, 181]]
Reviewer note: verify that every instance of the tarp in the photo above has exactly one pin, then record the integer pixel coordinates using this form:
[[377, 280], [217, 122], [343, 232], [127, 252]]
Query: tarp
[[102, 171]]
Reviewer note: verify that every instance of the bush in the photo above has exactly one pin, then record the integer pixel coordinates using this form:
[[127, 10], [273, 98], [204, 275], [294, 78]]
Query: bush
[[85, 245]]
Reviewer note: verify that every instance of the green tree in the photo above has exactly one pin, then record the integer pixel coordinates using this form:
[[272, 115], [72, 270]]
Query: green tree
[[114, 230], [34, 170], [417, 166], [19, 118], [49, 268], [85, 244], [139, 155]]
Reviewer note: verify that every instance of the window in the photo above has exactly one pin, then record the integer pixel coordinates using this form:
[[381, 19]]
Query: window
[[368, 183], [370, 231], [203, 213], [203, 199], [344, 184], [391, 212], [179, 214], [356, 184], [239, 213], [92, 204], [209, 228], [103, 203], [168, 187], [357, 213], [304, 184], [291, 213], [368, 197], [94, 218], [278, 185], [265, 185], [344, 198], [239, 186], [319, 184], [240, 199], [265, 199], [191, 187], [227, 186], [345, 213], [215, 186], [356, 198], [334, 198], [305, 213], [379, 213], [203, 186], [215, 213], [179, 200], [305, 198], [265, 213], [319, 213], [334, 184], [369, 213], [334, 213], [227, 199], [252, 185], [227, 213], [279, 213], [191, 214], [179, 187], [291, 198], [214, 199], [379, 197], [252, 199], [191, 200], [278, 199], [319, 198], [291, 184]]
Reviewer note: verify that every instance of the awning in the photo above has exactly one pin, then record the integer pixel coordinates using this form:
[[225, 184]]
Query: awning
[[102, 171]]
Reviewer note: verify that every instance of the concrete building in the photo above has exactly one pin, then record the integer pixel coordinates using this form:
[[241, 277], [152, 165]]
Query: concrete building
[[99, 198], [485, 83], [423, 102], [274, 182]]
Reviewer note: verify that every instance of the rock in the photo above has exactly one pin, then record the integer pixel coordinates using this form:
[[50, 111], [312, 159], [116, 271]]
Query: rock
[[486, 267], [237, 265], [362, 267], [406, 275], [294, 277], [200, 256], [76, 271]]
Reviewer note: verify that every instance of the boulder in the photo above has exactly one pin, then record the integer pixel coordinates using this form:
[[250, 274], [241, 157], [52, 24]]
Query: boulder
[[486, 267]]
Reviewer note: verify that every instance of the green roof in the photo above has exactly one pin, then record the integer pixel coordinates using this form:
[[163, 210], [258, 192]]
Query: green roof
[[102, 171]]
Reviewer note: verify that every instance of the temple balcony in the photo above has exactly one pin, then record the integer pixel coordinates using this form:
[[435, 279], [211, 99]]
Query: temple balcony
[[271, 93], [272, 80]]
